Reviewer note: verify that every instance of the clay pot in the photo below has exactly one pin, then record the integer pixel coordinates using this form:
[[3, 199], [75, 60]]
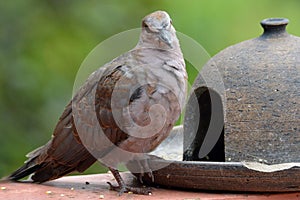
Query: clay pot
[[258, 105]]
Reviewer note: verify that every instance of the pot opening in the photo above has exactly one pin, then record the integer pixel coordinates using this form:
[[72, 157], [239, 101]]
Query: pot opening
[[275, 21], [208, 141]]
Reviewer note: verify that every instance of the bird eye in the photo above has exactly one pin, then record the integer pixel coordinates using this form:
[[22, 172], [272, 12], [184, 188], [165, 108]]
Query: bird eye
[[146, 27]]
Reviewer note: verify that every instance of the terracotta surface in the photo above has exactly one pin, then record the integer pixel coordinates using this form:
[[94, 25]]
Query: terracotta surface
[[95, 187]]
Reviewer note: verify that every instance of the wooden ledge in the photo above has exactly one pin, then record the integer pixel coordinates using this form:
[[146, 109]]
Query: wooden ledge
[[95, 187]]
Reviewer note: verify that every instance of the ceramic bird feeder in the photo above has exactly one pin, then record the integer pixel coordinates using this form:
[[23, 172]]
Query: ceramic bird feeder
[[242, 127]]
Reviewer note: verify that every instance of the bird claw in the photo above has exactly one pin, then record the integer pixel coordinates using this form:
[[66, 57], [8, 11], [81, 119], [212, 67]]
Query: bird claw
[[127, 189], [145, 169], [149, 174], [120, 190]]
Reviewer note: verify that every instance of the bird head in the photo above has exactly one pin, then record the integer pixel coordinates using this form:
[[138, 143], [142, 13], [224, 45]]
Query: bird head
[[158, 31]]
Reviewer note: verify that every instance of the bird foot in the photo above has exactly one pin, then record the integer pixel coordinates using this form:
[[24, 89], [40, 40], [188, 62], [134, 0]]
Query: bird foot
[[127, 189]]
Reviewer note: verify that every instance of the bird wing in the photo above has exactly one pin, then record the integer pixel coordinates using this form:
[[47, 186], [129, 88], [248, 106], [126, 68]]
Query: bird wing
[[124, 98]]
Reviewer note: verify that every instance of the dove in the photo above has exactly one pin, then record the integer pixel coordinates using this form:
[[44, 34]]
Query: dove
[[128, 105]]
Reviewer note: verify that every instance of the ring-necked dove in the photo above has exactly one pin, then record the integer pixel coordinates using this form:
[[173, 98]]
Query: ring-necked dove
[[136, 99]]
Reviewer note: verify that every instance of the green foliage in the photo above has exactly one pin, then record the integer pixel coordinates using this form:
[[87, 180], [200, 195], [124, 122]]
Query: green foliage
[[43, 43]]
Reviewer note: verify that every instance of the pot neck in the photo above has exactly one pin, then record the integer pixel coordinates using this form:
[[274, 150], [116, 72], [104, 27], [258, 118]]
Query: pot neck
[[274, 27]]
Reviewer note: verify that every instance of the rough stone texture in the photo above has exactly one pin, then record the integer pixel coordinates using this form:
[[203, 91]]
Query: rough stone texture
[[261, 96]]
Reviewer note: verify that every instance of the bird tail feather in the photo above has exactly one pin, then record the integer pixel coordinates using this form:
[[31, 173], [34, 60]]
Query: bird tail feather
[[27, 169]]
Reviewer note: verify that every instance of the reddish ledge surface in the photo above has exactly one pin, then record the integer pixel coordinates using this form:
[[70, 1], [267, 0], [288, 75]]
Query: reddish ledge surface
[[95, 187]]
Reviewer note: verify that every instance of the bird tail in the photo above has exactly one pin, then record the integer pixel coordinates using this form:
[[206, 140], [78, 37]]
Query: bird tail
[[28, 168], [39, 172], [47, 171]]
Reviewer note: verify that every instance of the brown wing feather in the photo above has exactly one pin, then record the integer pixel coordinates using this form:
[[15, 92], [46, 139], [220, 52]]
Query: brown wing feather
[[104, 113], [65, 152], [144, 95]]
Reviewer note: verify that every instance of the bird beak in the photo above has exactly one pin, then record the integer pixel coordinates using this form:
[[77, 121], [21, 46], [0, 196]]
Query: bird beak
[[166, 37]]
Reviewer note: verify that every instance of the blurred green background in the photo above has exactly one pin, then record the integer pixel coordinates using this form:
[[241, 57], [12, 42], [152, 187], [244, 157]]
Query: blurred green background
[[43, 43]]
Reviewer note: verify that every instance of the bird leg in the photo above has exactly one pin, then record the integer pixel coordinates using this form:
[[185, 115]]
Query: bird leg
[[122, 187]]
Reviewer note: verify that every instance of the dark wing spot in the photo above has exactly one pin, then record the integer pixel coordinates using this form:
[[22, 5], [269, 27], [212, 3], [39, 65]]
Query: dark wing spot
[[172, 66], [136, 94]]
